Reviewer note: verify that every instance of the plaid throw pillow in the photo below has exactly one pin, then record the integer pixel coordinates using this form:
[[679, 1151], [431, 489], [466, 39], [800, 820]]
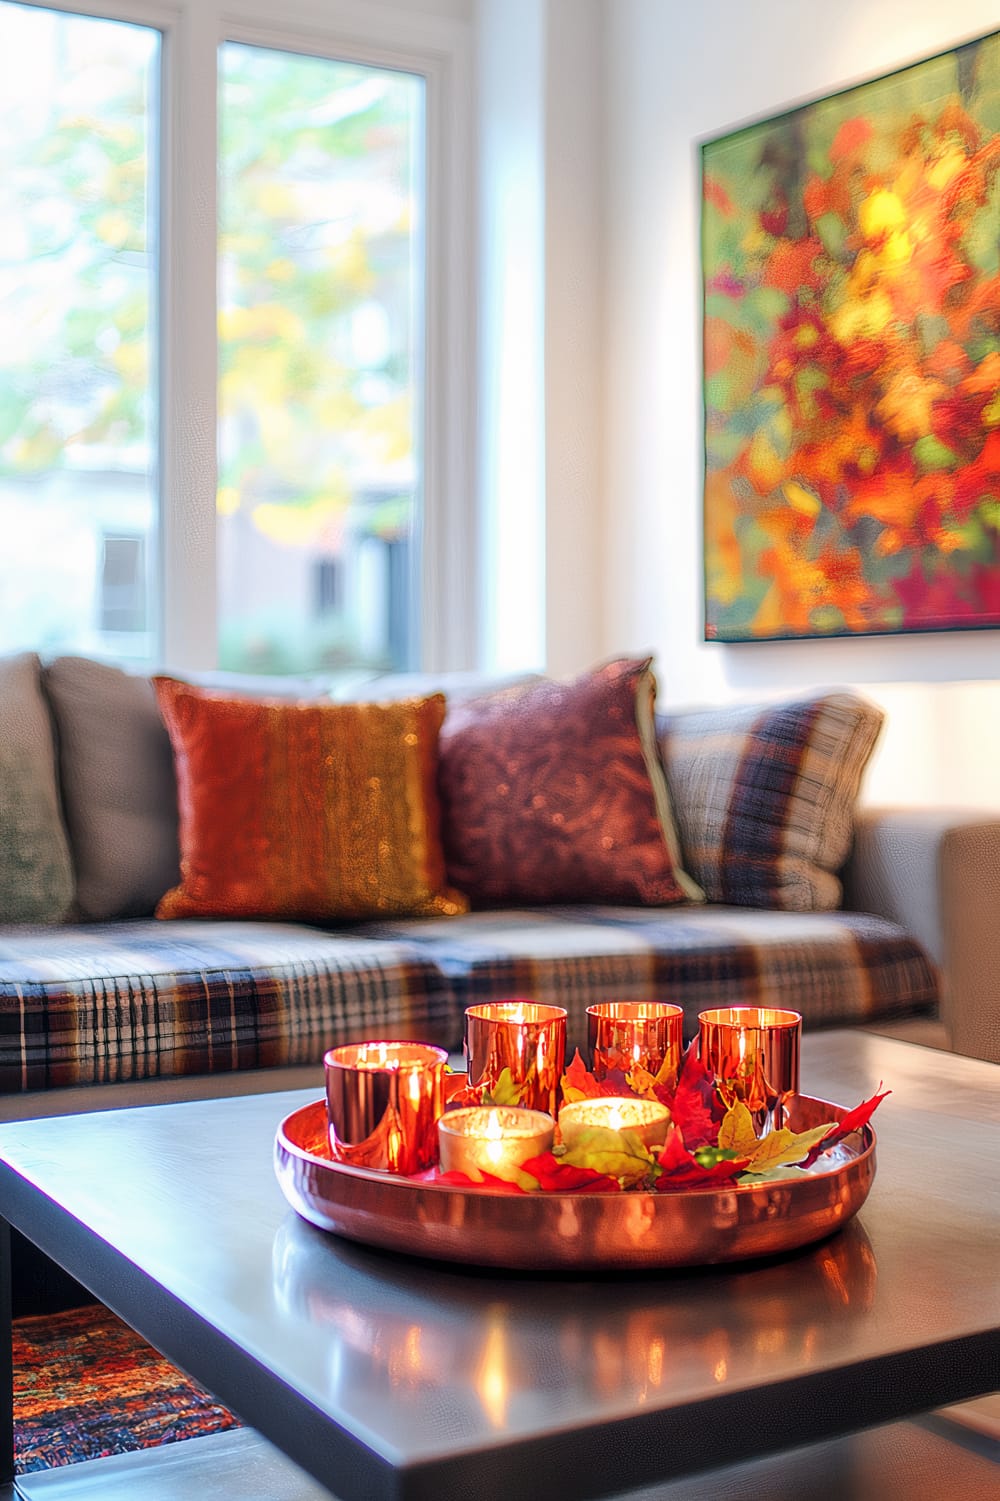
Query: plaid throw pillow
[[764, 796]]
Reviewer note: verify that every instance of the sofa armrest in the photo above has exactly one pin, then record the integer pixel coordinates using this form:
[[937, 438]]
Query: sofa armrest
[[936, 872]]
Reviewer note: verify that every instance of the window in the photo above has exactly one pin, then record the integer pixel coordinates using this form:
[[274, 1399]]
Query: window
[[296, 322], [123, 584], [77, 337], [320, 219]]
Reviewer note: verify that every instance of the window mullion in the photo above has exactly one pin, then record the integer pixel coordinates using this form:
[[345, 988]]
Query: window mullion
[[188, 241]]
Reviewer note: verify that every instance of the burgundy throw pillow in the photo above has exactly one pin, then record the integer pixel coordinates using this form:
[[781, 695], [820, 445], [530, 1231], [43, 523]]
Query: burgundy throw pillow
[[554, 792]]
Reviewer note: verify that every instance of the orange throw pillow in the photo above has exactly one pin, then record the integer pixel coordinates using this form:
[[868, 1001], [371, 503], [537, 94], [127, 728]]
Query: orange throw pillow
[[306, 811]]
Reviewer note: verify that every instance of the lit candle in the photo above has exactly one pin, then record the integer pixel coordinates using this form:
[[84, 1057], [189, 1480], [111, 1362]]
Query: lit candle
[[523, 1038], [647, 1119], [383, 1101], [492, 1139], [636, 1034]]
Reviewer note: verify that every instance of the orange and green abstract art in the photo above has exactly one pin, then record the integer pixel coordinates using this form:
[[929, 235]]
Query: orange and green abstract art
[[851, 262]]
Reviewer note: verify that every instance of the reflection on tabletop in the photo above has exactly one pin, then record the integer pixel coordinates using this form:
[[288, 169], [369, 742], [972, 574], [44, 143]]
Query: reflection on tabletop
[[488, 1340]]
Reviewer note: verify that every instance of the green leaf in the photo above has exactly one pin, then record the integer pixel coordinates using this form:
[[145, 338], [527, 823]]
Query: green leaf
[[619, 1154], [504, 1091]]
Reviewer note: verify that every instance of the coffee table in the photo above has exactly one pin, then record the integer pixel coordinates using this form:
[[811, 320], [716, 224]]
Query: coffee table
[[380, 1376]]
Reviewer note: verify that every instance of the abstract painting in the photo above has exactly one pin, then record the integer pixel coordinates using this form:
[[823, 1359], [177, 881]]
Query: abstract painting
[[851, 360]]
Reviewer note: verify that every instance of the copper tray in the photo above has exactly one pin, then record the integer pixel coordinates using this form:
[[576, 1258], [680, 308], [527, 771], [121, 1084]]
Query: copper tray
[[588, 1231]]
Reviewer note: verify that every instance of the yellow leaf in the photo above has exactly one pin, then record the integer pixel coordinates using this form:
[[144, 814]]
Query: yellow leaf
[[505, 1091], [619, 1154], [784, 1147], [736, 1133], [641, 1082]]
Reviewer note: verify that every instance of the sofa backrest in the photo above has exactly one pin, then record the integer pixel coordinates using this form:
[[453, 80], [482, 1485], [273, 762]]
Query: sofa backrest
[[116, 780]]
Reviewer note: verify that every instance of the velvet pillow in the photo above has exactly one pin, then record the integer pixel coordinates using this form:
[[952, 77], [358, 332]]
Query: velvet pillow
[[765, 796], [554, 792], [305, 811], [36, 869]]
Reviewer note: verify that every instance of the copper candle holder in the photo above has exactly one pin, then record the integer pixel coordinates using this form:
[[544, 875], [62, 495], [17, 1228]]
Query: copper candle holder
[[383, 1102], [754, 1053], [647, 1119], [626, 1035], [524, 1038], [492, 1139]]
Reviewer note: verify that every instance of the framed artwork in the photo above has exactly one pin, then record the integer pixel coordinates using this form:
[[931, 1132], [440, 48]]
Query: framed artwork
[[851, 360]]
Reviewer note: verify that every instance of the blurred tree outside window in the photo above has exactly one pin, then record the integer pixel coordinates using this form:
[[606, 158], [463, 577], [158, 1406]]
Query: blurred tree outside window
[[320, 264], [320, 346], [78, 268]]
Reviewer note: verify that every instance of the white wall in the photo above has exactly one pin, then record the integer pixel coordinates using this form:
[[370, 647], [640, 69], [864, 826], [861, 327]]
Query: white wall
[[541, 132], [675, 74]]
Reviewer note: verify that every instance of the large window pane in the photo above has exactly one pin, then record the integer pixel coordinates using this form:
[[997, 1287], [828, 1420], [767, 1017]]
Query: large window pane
[[321, 227], [77, 364]]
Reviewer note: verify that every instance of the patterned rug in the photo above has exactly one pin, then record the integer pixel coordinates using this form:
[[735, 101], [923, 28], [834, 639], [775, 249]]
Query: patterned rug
[[86, 1386]]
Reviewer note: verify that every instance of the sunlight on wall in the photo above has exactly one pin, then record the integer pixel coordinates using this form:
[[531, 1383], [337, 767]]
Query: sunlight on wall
[[938, 745]]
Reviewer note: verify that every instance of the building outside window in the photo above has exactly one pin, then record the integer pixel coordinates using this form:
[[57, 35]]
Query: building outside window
[[309, 445]]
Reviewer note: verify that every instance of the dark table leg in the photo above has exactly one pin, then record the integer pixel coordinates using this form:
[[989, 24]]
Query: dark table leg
[[6, 1362]]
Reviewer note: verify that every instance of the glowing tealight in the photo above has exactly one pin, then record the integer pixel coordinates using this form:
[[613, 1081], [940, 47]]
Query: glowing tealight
[[492, 1139], [647, 1119]]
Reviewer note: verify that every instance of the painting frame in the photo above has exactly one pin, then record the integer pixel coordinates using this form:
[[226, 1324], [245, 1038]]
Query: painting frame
[[850, 377]]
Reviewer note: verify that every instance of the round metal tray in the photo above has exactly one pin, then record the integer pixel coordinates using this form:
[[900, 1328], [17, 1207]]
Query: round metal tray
[[589, 1231]]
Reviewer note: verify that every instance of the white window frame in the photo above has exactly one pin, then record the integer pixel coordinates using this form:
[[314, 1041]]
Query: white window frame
[[439, 49]]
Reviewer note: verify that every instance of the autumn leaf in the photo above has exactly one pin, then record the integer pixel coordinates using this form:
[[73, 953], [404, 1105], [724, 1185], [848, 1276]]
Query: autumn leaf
[[578, 1083], [694, 1105], [736, 1133], [558, 1176], [679, 1169], [641, 1082], [455, 1179], [854, 1120], [784, 1148], [619, 1154], [504, 1091]]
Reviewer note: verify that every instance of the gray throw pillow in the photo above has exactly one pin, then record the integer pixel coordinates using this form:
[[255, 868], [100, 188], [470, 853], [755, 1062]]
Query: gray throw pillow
[[119, 788], [36, 871]]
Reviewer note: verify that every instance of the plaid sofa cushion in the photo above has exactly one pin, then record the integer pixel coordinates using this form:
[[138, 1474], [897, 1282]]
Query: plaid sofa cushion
[[145, 999], [833, 967], [765, 796]]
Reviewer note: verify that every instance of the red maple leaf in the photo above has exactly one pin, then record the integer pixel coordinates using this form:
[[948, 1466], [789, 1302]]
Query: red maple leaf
[[455, 1179], [694, 1105], [681, 1170], [854, 1120], [563, 1178], [581, 1079]]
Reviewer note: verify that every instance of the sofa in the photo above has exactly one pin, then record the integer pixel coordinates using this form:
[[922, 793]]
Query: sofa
[[207, 881]]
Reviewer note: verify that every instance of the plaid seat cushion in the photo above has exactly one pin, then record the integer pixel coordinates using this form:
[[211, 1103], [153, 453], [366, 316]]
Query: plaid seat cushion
[[146, 999], [833, 967]]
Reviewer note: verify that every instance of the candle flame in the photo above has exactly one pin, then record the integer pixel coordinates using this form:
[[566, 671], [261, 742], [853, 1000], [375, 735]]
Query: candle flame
[[494, 1138]]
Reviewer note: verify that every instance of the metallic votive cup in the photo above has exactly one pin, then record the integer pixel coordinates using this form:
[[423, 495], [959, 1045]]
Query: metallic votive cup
[[383, 1101], [524, 1037], [754, 1053], [636, 1034]]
